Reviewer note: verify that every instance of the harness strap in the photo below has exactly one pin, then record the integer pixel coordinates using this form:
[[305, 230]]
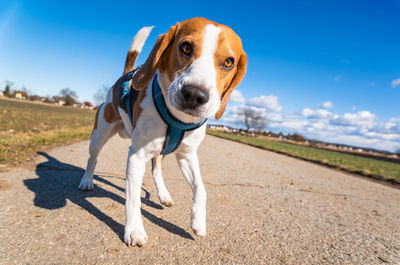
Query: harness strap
[[176, 129], [126, 93]]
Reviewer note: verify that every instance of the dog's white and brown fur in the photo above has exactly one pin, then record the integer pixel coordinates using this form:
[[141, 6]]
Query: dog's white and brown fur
[[196, 55]]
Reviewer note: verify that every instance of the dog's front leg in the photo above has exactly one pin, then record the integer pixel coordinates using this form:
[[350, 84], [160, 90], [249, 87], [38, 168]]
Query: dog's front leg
[[135, 169], [189, 164]]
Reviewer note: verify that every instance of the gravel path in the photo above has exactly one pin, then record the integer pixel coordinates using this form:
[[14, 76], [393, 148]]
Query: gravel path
[[262, 208]]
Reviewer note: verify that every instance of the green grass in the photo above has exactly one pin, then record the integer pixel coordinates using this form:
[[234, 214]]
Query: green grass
[[365, 166], [25, 127]]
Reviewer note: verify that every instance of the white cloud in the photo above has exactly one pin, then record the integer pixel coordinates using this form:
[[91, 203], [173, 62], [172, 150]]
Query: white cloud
[[316, 114], [396, 82], [237, 97], [307, 112], [361, 118], [338, 77], [361, 141], [274, 116], [290, 125], [384, 136], [269, 102], [233, 114], [390, 127], [359, 128], [326, 105]]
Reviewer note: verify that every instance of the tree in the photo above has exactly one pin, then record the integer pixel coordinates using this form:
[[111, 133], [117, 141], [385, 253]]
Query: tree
[[47, 99], [57, 98], [69, 96], [101, 95], [398, 152], [7, 90], [35, 98], [69, 100], [68, 92], [259, 122], [247, 114], [253, 119], [296, 137]]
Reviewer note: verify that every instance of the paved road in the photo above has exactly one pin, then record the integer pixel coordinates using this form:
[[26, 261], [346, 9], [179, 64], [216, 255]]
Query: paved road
[[263, 208]]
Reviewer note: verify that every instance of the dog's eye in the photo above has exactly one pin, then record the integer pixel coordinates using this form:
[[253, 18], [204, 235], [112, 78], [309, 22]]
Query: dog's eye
[[228, 64], [186, 49]]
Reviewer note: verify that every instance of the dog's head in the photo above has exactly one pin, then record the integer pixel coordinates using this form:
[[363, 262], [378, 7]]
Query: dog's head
[[200, 62]]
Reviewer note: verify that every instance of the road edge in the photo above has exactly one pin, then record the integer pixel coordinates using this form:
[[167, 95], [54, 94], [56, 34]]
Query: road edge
[[375, 178]]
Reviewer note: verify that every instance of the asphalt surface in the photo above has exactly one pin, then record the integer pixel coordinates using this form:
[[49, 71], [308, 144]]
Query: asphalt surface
[[262, 208]]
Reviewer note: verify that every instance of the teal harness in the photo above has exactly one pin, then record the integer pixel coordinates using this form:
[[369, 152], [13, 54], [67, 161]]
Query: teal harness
[[175, 128]]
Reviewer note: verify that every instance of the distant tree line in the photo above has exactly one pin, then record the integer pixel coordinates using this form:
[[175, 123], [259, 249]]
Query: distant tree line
[[66, 96]]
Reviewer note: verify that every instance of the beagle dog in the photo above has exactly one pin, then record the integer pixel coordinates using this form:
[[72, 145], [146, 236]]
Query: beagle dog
[[187, 78]]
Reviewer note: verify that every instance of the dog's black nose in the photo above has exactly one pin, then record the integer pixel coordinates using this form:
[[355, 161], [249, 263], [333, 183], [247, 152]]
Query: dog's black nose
[[193, 97]]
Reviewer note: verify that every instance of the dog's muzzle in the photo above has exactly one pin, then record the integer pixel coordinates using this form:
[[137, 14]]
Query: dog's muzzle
[[192, 97]]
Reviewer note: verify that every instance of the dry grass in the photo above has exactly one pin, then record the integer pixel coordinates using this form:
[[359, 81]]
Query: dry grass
[[26, 127]]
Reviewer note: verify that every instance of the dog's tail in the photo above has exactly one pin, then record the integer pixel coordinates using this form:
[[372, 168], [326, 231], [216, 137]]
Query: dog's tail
[[136, 48]]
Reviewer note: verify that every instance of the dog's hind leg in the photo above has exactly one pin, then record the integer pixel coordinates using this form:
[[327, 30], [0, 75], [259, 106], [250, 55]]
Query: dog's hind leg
[[163, 194], [106, 125]]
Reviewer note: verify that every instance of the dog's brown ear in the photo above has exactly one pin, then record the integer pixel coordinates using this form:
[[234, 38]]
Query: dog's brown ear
[[144, 74], [240, 71]]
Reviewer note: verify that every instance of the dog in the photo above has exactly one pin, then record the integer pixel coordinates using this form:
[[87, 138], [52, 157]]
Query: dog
[[163, 106]]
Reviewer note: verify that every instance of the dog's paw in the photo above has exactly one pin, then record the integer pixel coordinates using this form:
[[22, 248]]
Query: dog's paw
[[135, 237], [86, 184], [167, 203], [199, 230], [165, 199], [198, 224]]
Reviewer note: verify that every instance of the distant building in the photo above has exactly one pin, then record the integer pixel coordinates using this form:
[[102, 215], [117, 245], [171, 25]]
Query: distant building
[[222, 128], [59, 100], [20, 95], [88, 105], [78, 105], [84, 105], [1, 94], [35, 98]]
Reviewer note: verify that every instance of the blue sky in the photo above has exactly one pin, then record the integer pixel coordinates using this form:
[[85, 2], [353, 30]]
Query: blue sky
[[301, 54]]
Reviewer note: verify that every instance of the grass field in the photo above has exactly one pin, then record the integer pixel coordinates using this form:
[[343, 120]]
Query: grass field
[[25, 127], [365, 166]]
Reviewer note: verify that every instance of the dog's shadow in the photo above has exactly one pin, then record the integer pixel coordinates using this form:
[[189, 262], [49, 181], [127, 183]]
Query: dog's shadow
[[58, 182]]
